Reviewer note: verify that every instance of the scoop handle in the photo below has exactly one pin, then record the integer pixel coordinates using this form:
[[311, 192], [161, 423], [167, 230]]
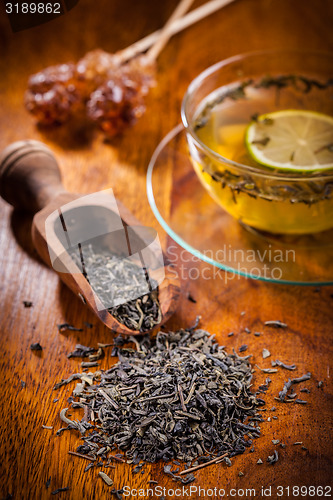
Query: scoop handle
[[29, 175]]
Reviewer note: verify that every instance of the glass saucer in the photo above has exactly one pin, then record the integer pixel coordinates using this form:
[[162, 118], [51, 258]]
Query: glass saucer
[[198, 224]]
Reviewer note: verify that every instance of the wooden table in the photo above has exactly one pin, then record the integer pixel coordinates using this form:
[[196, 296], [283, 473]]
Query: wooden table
[[29, 454]]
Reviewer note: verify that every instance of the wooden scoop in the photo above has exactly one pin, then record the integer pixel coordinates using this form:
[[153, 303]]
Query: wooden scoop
[[30, 179]]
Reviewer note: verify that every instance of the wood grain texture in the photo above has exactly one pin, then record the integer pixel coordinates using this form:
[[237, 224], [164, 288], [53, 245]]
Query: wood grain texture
[[31, 455]]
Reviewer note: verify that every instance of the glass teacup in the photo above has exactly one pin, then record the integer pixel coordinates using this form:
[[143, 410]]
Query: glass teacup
[[219, 108]]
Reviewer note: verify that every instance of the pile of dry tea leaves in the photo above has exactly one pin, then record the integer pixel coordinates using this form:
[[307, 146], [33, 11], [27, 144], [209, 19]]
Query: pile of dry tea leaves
[[178, 396]]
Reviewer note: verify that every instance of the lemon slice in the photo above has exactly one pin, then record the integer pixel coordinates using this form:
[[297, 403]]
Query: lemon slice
[[292, 140]]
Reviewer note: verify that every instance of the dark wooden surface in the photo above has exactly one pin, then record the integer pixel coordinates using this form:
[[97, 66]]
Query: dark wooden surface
[[29, 454]]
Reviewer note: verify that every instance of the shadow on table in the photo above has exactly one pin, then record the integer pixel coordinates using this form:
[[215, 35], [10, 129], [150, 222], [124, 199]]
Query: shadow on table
[[74, 135], [21, 222]]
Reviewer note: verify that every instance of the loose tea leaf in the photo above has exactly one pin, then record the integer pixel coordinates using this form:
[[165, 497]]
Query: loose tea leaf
[[272, 459], [89, 364], [288, 385], [276, 324], [106, 478], [89, 466], [36, 347], [283, 365], [191, 299], [81, 351], [267, 370], [265, 353], [86, 457], [62, 327], [59, 490]]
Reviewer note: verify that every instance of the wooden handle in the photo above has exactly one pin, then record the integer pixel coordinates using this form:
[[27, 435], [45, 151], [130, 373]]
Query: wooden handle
[[29, 175]]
